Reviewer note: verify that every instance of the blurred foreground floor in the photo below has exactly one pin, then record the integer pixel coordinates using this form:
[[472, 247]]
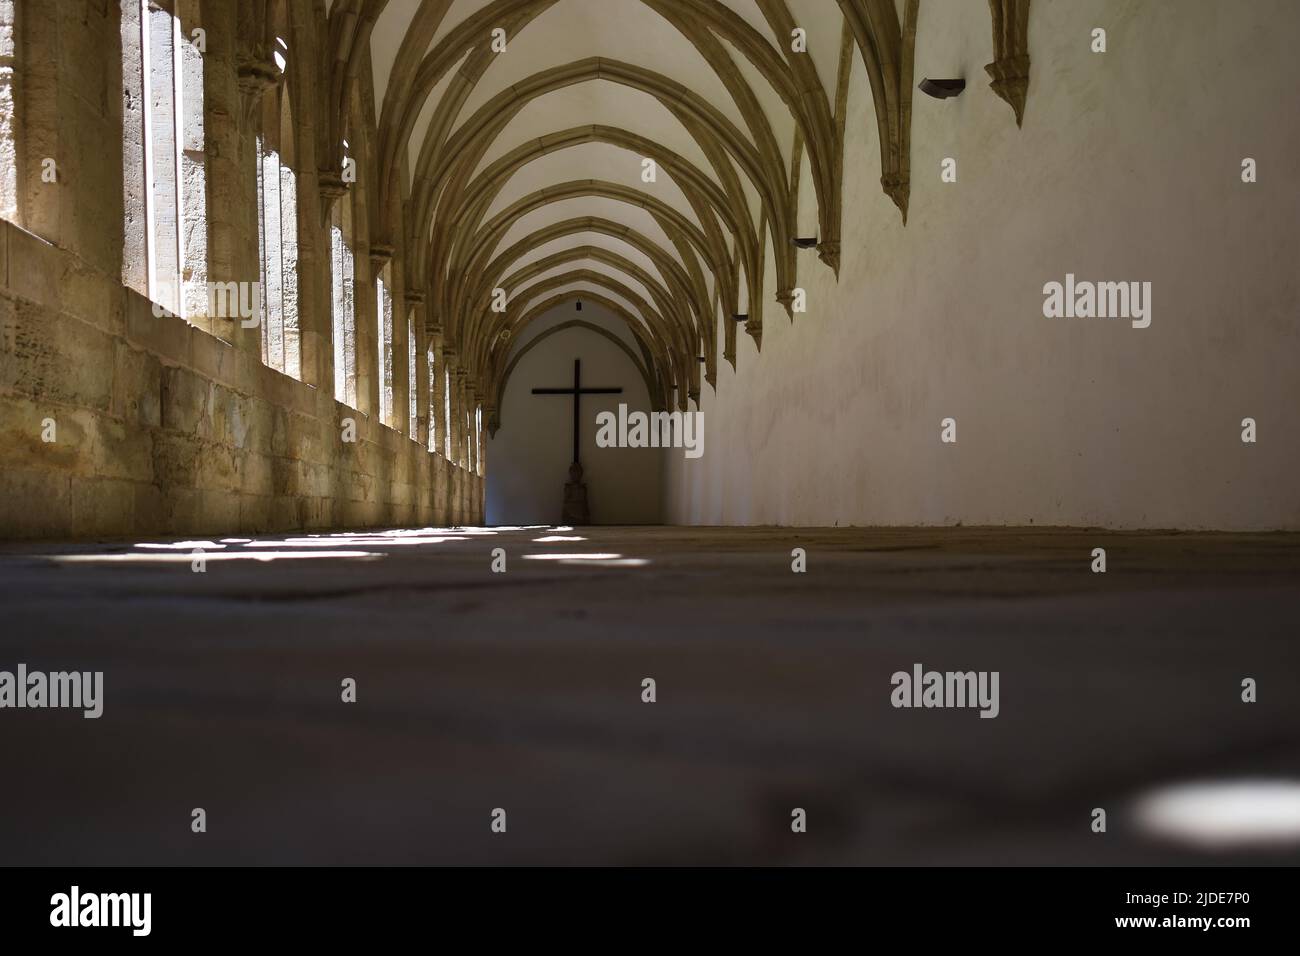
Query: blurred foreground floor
[[522, 690]]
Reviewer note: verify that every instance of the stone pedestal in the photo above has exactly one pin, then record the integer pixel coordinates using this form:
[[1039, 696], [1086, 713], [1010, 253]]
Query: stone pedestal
[[575, 511]]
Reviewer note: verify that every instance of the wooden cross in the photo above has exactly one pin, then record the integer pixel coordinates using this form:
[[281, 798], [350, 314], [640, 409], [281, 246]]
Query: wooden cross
[[577, 392]]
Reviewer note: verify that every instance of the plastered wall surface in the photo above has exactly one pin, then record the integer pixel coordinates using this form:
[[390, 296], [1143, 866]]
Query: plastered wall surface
[[530, 454], [1128, 167]]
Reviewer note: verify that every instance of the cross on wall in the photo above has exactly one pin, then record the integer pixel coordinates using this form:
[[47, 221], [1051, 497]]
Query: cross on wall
[[577, 392]]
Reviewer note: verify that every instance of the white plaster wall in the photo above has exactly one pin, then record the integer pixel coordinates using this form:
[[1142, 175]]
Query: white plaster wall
[[528, 459], [1127, 168]]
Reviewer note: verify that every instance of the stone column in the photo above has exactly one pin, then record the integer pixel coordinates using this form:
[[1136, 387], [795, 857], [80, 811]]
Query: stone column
[[415, 304], [402, 383], [66, 75], [454, 431], [447, 431], [315, 303], [462, 413], [238, 71], [424, 474], [434, 332], [367, 314], [480, 482]]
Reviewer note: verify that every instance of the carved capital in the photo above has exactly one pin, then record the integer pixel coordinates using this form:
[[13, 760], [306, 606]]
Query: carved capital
[[414, 296]]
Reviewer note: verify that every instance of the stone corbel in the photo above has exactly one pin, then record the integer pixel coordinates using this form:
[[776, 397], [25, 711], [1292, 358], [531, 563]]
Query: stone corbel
[[414, 297], [898, 187], [1009, 70], [786, 298], [381, 253], [330, 185], [754, 326], [256, 74], [829, 251]]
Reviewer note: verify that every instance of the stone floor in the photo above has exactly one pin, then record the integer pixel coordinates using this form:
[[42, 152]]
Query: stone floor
[[522, 690]]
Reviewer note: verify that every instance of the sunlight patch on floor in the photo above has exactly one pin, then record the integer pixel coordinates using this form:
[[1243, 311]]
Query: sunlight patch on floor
[[1225, 814]]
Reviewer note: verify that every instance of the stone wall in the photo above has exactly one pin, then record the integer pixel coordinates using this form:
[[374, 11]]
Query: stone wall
[[161, 428]]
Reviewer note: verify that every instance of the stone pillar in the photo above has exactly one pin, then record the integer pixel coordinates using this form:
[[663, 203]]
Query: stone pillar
[[415, 303], [463, 415], [402, 384], [67, 86], [380, 256], [456, 428], [315, 304], [441, 515], [366, 307], [40, 89], [237, 72], [402, 323], [447, 433], [474, 463], [434, 332]]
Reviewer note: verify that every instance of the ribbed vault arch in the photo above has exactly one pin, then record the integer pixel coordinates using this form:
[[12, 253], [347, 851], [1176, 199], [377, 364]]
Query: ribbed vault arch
[[656, 398], [458, 158]]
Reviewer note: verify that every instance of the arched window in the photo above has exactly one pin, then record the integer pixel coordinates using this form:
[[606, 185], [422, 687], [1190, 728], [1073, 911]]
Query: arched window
[[467, 451], [277, 228], [8, 118], [478, 439], [433, 400], [446, 412], [164, 187], [384, 338], [342, 301], [412, 393]]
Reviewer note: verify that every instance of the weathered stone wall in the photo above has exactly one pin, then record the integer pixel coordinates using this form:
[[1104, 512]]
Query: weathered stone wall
[[161, 428], [158, 426]]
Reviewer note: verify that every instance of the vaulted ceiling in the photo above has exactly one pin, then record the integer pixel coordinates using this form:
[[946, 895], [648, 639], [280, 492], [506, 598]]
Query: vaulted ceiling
[[514, 143]]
